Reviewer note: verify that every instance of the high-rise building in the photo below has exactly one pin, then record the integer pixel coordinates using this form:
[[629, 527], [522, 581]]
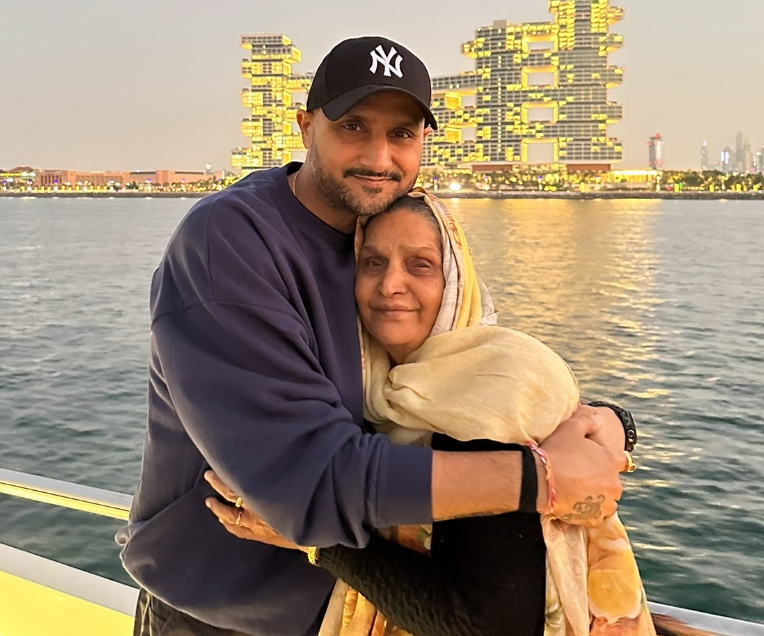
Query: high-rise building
[[759, 161], [538, 93], [746, 160], [270, 125], [725, 160], [704, 165], [737, 158], [655, 152]]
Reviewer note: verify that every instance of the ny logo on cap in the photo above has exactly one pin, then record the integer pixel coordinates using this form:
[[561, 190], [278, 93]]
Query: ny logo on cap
[[378, 56]]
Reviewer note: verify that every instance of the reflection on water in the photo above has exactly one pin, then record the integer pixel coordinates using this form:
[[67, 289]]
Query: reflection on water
[[578, 275], [657, 305]]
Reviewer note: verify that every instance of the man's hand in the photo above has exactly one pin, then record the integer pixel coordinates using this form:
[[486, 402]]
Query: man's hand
[[585, 471], [242, 521], [605, 427]]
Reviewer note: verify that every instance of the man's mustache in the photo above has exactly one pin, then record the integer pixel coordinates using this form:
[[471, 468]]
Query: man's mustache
[[360, 172]]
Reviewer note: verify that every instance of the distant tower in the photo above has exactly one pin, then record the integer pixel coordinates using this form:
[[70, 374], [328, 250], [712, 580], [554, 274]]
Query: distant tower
[[746, 162], [704, 156], [726, 160], [655, 152], [737, 160], [759, 161]]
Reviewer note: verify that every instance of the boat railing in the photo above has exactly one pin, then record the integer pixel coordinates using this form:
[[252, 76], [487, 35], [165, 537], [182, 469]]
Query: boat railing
[[116, 505], [65, 494], [41, 596]]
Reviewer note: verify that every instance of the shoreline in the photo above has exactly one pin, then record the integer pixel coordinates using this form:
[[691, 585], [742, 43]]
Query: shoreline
[[520, 194]]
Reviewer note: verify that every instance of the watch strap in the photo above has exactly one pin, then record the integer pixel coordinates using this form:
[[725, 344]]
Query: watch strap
[[627, 421]]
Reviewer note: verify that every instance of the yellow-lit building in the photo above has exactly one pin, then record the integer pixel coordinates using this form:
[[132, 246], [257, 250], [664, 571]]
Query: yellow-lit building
[[633, 179], [538, 93], [19, 178], [272, 99]]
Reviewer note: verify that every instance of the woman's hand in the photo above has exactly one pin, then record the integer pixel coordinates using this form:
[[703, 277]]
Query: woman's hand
[[242, 521]]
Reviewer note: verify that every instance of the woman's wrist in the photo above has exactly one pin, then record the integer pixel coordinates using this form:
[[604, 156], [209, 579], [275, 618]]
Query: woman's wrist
[[312, 554]]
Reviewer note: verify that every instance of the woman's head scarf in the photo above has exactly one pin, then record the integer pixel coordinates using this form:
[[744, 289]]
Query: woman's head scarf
[[473, 380]]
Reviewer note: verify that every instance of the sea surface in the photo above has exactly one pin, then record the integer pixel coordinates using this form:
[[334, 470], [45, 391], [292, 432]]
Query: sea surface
[[656, 305]]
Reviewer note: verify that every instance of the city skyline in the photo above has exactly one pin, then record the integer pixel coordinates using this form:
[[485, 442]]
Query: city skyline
[[157, 85]]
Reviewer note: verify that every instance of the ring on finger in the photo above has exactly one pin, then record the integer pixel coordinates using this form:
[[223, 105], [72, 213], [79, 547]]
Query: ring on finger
[[237, 503], [630, 465], [238, 518]]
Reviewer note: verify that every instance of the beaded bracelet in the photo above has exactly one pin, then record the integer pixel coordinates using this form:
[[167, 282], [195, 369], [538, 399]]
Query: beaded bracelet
[[535, 448]]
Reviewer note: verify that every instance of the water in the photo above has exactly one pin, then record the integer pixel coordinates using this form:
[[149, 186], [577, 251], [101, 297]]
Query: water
[[657, 305]]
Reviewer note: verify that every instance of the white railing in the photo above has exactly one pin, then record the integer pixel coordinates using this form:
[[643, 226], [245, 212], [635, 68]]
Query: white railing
[[65, 494], [116, 505]]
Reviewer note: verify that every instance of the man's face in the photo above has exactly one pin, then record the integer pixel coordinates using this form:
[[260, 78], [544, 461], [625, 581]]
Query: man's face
[[369, 157]]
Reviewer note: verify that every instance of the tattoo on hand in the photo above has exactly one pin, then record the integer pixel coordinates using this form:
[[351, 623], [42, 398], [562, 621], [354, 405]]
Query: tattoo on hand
[[585, 510]]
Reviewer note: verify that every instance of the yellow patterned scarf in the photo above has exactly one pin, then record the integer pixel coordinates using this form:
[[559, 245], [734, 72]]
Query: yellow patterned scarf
[[471, 380]]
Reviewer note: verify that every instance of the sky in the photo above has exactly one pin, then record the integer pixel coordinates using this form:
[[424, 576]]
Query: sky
[[107, 85]]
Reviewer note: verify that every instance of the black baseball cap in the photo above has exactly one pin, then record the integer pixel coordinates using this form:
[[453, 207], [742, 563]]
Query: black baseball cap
[[359, 67]]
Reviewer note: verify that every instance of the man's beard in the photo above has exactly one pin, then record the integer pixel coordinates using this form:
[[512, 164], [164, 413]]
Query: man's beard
[[338, 196]]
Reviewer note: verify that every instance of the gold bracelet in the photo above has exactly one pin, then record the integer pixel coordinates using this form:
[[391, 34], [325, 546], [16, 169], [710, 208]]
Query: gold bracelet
[[313, 556]]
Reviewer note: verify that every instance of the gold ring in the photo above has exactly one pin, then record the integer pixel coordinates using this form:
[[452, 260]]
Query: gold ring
[[238, 519], [237, 503], [630, 465]]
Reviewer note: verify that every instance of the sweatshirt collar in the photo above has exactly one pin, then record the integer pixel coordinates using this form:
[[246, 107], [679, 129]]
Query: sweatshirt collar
[[339, 241]]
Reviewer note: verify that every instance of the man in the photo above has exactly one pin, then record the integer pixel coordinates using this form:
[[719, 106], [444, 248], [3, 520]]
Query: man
[[255, 372]]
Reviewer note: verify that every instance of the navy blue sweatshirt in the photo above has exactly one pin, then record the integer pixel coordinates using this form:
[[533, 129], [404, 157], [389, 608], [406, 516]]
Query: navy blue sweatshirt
[[255, 371]]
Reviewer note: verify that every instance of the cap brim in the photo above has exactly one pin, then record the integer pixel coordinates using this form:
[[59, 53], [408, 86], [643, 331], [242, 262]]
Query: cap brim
[[342, 104]]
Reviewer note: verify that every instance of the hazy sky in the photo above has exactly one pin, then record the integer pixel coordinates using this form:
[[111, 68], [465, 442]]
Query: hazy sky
[[97, 85]]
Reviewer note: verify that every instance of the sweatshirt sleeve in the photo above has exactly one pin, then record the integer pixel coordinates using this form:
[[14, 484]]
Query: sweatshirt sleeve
[[235, 358]]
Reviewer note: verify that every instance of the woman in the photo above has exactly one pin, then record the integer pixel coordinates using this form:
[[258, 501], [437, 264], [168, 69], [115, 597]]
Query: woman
[[436, 371]]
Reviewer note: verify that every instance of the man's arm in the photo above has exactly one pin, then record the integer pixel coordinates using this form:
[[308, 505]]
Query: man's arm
[[236, 363], [585, 473], [239, 367], [461, 589]]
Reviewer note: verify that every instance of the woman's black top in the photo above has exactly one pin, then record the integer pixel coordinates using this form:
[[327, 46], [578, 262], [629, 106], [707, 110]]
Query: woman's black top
[[486, 576]]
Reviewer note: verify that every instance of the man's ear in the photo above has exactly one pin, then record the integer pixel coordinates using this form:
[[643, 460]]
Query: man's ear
[[305, 122], [427, 131]]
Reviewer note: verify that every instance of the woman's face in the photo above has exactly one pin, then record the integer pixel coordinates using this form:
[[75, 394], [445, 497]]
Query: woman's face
[[399, 282]]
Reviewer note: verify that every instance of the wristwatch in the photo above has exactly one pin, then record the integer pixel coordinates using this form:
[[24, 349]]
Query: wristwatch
[[627, 421]]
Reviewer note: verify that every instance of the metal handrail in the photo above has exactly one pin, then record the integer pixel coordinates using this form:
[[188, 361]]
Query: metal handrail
[[67, 495], [695, 623], [117, 505]]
